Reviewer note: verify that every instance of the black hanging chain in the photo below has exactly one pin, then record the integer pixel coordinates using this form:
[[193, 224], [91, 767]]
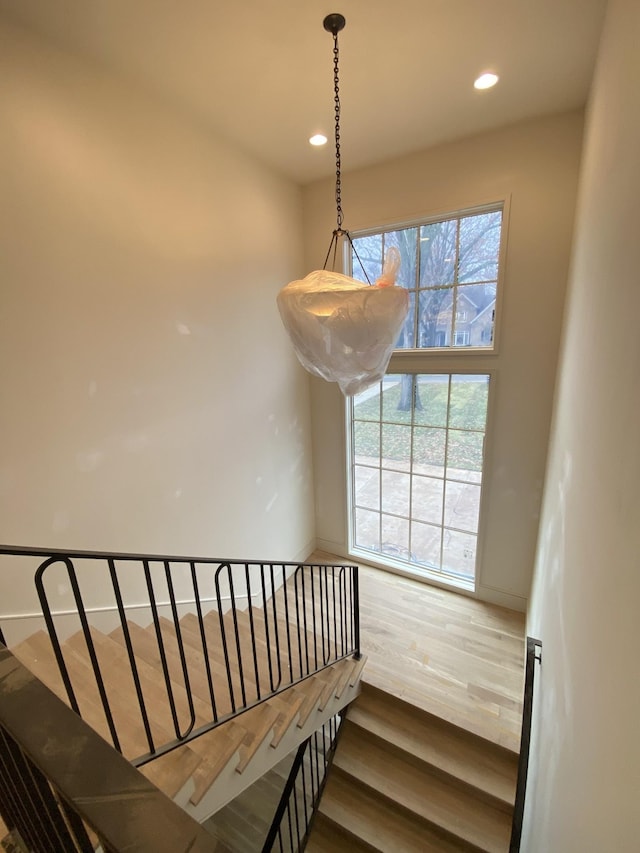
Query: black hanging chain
[[336, 100], [333, 24]]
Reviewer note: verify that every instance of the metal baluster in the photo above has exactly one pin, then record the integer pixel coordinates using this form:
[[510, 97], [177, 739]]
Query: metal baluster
[[132, 661], [36, 810], [51, 629], [351, 608], [252, 627], [276, 633], [86, 631], [290, 827], [13, 801], [286, 616], [77, 828], [223, 634], [313, 615], [321, 598], [203, 638], [304, 795], [304, 620], [299, 569], [335, 615], [315, 735], [342, 611], [327, 656], [183, 660], [234, 615], [161, 649], [356, 613], [294, 793]]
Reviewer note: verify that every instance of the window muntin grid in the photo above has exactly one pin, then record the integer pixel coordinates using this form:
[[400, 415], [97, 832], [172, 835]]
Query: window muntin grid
[[450, 268], [417, 459]]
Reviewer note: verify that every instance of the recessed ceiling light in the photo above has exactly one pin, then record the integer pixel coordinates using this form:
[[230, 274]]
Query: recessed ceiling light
[[318, 139], [486, 80]]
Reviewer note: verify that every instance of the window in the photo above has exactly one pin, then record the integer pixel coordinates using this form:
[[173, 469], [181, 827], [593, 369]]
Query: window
[[417, 445], [417, 440], [450, 268]]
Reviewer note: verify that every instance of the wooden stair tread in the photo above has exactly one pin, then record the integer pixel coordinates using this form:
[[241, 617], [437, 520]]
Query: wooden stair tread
[[225, 742], [408, 782], [288, 705], [313, 690], [338, 676], [223, 690], [379, 822], [327, 837], [37, 655], [192, 639], [452, 750], [258, 722], [170, 772]]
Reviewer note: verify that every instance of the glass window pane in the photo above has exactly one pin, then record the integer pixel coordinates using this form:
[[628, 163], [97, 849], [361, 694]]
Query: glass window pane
[[431, 400], [438, 253], [366, 442], [468, 401], [426, 498], [434, 319], [396, 447], [367, 487], [479, 247], [425, 545], [407, 336], [367, 532], [442, 264], [396, 407], [458, 553], [405, 241], [395, 537], [366, 404], [428, 451], [398, 403], [462, 506], [474, 315], [395, 492], [369, 249], [464, 455]]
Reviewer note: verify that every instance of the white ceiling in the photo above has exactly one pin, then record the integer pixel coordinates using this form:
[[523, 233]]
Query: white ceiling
[[260, 71]]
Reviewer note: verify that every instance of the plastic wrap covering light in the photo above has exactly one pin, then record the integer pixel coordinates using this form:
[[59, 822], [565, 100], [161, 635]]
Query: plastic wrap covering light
[[343, 330]]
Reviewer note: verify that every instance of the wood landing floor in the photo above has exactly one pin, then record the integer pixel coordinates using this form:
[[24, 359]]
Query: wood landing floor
[[451, 655]]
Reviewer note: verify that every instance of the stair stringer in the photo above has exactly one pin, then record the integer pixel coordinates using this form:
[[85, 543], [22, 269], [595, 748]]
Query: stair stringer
[[230, 783]]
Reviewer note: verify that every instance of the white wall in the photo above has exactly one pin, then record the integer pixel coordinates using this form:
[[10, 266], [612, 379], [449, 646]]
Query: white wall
[[535, 165], [149, 397], [584, 785]]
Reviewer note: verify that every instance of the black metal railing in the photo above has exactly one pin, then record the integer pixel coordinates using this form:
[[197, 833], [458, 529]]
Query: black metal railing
[[183, 644], [534, 655], [298, 804], [64, 789]]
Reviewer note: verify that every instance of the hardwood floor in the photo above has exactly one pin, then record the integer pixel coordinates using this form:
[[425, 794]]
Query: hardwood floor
[[451, 655]]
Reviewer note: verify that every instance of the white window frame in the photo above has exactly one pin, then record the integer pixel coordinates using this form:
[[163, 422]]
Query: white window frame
[[440, 360]]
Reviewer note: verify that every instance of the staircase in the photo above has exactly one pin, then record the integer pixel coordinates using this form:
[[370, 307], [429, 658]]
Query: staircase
[[209, 771], [404, 780]]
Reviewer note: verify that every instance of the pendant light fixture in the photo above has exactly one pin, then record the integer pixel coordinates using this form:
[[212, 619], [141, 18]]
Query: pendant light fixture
[[342, 329]]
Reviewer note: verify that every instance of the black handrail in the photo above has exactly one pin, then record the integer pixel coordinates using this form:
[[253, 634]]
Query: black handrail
[[293, 819], [224, 634], [534, 653], [58, 778]]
